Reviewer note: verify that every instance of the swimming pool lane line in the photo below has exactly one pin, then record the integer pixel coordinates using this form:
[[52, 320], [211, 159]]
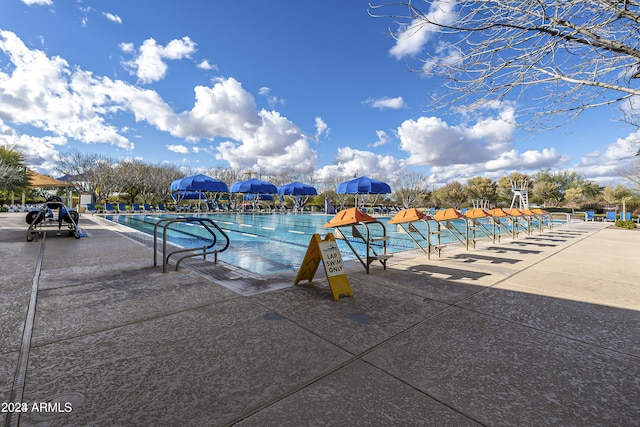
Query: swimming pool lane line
[[17, 391]]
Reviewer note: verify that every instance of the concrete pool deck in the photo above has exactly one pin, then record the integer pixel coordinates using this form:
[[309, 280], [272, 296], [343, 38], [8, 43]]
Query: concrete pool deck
[[542, 330]]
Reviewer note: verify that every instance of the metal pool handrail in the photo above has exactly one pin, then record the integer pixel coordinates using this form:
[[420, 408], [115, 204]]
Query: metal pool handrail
[[204, 222]]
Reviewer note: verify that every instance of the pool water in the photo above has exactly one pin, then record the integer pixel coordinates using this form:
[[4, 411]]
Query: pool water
[[273, 243], [262, 243]]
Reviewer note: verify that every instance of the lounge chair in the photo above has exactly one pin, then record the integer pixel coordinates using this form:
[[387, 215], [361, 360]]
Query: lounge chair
[[161, 207], [122, 207], [611, 216], [108, 208], [135, 207], [627, 216], [146, 207], [91, 208], [591, 216]]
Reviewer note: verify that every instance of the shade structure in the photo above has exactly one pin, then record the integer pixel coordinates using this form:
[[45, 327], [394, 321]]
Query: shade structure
[[37, 180], [254, 185], [363, 185], [297, 189], [199, 183], [189, 195], [255, 196]]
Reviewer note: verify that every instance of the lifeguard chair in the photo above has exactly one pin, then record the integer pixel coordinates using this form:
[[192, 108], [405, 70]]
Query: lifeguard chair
[[520, 194]]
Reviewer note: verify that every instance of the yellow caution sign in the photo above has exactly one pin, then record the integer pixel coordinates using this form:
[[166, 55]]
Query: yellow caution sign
[[327, 251]]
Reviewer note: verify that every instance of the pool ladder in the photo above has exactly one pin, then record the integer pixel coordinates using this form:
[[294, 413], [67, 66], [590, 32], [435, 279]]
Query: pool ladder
[[206, 223], [367, 239]]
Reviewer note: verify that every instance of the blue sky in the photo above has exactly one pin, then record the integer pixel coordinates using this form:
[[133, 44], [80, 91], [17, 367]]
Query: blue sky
[[274, 87]]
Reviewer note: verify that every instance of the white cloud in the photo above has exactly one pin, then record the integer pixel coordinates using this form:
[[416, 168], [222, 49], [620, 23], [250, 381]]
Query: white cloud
[[605, 167], [411, 38], [38, 151], [178, 149], [431, 141], [205, 65], [272, 143], [149, 65], [47, 94], [350, 162], [272, 100], [38, 2], [468, 150], [127, 47], [383, 138], [384, 103], [111, 17], [66, 102], [321, 128], [264, 91]]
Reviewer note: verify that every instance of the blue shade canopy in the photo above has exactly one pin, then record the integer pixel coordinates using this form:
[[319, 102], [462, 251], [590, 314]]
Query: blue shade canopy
[[363, 185], [254, 185], [297, 189], [253, 196], [199, 183], [189, 195]]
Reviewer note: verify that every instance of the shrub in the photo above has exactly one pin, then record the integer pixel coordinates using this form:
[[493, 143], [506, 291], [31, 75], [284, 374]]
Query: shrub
[[625, 224]]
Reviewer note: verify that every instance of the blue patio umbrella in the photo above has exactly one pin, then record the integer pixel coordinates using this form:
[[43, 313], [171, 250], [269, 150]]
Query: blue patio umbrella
[[254, 185], [199, 183], [363, 185], [297, 189], [263, 197], [196, 185]]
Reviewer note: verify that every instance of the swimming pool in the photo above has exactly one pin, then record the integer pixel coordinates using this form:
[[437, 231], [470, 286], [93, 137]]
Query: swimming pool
[[273, 243], [262, 243]]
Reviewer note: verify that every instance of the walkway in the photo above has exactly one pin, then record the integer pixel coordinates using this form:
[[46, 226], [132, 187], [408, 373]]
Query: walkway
[[543, 330]]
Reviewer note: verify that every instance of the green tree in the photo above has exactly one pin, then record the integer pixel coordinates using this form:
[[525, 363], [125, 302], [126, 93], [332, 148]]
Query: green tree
[[574, 195], [545, 190], [617, 194], [452, 194], [13, 171], [479, 188]]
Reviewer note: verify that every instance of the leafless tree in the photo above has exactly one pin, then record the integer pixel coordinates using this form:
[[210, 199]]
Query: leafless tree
[[133, 176], [159, 182], [565, 56], [86, 173], [632, 172], [408, 187]]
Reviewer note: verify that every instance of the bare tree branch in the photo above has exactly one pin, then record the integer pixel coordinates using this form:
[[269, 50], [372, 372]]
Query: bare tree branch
[[564, 56]]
